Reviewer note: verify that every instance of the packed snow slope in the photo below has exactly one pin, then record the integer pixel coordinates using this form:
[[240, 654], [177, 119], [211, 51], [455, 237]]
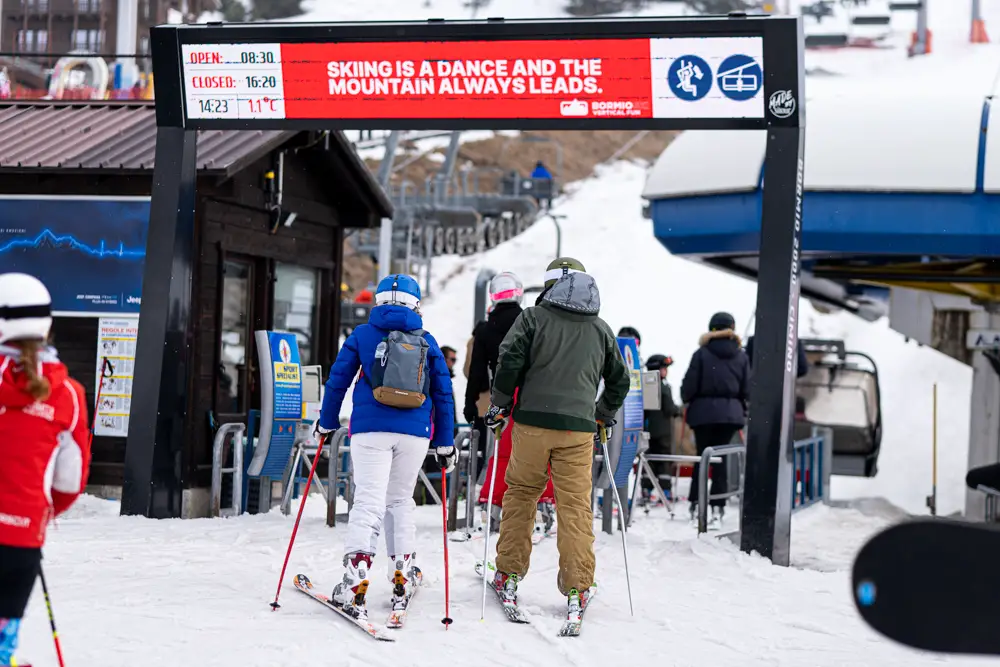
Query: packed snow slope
[[670, 300], [130, 592]]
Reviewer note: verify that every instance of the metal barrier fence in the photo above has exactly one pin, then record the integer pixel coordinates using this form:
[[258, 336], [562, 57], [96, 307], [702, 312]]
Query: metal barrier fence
[[237, 431], [809, 486], [339, 474], [703, 473], [811, 472]]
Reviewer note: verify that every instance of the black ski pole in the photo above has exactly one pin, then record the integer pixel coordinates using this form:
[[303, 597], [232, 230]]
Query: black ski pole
[[52, 618]]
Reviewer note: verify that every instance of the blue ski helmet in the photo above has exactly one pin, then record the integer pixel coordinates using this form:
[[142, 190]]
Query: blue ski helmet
[[399, 290]]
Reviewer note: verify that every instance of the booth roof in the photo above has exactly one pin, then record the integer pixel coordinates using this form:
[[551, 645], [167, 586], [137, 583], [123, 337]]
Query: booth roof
[[115, 136]]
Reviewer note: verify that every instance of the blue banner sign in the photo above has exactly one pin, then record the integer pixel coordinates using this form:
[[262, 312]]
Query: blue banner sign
[[89, 251], [633, 413], [624, 442], [281, 401]]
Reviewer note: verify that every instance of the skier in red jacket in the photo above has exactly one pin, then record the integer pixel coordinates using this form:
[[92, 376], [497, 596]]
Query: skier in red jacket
[[44, 444]]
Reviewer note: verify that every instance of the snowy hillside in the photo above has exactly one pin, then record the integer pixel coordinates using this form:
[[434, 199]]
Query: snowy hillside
[[131, 592], [670, 300]]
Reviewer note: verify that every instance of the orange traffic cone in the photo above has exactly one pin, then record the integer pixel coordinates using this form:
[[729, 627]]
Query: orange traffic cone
[[979, 35], [914, 38]]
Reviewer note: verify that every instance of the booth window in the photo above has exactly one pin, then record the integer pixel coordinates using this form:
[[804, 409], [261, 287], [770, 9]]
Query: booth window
[[295, 306], [233, 381]]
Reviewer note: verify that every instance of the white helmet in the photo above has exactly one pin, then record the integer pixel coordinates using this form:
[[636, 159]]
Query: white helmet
[[506, 288], [25, 308]]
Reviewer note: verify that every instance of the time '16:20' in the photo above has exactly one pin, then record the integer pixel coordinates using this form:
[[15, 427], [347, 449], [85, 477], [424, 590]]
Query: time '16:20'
[[214, 106], [262, 81], [257, 57]]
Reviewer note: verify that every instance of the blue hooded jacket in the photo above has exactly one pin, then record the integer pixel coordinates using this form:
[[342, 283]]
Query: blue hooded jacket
[[370, 416]]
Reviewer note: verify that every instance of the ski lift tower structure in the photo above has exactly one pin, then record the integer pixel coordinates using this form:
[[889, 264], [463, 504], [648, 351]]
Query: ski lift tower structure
[[528, 74]]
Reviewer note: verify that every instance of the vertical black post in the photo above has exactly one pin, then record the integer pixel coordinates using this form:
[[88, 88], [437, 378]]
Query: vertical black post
[[163, 353], [163, 361], [767, 502]]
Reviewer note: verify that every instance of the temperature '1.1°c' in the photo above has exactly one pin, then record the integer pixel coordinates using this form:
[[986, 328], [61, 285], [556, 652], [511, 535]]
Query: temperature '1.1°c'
[[262, 105]]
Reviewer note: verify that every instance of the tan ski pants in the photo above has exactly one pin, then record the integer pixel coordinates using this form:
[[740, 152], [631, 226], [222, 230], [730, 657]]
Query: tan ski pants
[[571, 455]]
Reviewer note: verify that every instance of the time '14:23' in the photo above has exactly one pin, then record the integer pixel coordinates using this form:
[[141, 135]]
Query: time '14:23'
[[214, 106]]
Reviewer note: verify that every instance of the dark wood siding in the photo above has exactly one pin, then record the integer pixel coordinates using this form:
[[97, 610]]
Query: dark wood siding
[[237, 222]]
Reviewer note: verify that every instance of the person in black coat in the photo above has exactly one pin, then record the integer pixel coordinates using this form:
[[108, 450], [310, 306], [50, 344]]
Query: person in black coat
[[716, 389], [506, 294], [660, 426]]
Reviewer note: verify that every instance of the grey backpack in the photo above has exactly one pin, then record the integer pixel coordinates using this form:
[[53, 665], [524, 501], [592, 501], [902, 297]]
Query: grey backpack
[[399, 376]]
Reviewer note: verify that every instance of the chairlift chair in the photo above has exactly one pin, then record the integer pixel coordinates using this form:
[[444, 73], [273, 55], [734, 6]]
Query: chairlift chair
[[841, 392]]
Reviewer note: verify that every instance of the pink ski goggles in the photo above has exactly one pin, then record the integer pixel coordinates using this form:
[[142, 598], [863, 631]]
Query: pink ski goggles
[[507, 294]]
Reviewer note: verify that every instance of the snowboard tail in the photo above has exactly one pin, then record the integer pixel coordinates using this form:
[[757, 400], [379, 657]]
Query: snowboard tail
[[932, 585]]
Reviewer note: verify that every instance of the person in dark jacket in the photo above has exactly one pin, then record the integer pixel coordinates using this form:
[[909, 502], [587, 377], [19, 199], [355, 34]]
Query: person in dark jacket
[[555, 357], [660, 426], [506, 293], [716, 389]]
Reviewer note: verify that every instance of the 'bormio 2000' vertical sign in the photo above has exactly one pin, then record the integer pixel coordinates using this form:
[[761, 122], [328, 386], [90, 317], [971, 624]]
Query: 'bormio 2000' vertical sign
[[661, 77]]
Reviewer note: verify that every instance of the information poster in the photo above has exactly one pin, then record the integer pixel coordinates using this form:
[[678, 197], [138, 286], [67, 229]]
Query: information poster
[[281, 401], [116, 340]]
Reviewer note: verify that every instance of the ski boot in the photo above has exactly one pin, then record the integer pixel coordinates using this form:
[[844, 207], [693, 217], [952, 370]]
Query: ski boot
[[715, 522], [576, 603], [350, 593], [8, 642], [495, 512], [505, 586], [548, 511], [404, 576]]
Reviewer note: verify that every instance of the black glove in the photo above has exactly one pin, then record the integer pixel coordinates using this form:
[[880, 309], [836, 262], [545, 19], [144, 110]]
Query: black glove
[[496, 416], [470, 413], [446, 457], [608, 428]]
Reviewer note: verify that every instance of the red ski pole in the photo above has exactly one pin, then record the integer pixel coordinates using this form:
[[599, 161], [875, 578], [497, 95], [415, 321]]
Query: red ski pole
[[444, 516], [295, 529]]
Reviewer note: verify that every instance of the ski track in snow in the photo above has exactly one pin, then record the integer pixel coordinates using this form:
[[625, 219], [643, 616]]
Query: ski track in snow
[[130, 591]]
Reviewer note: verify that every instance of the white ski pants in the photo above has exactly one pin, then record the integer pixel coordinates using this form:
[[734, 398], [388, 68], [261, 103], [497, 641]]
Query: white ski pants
[[386, 466]]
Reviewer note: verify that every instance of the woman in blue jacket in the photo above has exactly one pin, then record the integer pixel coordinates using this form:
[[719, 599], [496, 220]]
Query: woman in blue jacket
[[388, 445]]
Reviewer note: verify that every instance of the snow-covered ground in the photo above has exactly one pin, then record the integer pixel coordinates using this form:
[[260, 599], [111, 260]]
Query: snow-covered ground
[[130, 591]]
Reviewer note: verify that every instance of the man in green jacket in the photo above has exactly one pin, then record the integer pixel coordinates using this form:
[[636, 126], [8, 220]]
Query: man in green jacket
[[555, 356]]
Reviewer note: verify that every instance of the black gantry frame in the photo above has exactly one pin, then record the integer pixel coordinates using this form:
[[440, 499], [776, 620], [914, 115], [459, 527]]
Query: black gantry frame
[[164, 359]]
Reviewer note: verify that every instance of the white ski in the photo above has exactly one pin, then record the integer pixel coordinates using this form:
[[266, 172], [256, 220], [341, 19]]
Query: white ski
[[397, 617], [373, 630]]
